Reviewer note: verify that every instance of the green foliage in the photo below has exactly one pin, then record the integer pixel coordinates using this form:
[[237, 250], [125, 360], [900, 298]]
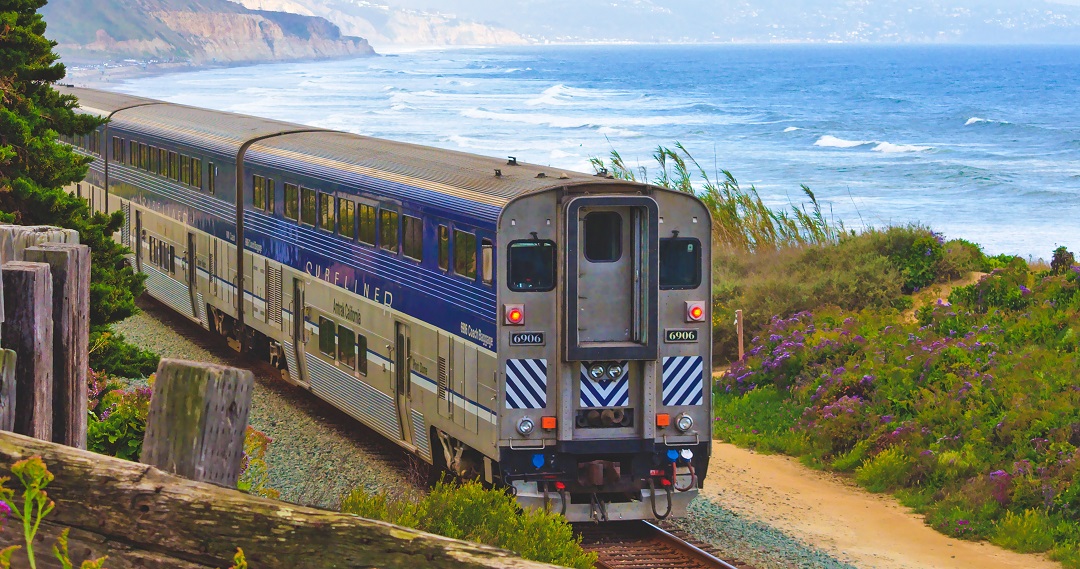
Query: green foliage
[[971, 413], [34, 476], [112, 354], [34, 166], [254, 473], [1062, 261], [471, 512], [1029, 532], [740, 220], [119, 425]]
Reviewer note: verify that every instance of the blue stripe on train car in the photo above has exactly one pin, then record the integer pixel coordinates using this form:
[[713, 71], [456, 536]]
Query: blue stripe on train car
[[610, 393], [526, 384], [684, 380]]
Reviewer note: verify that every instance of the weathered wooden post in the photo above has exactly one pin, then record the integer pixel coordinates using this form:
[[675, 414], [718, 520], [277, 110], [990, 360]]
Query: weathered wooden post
[[198, 414], [28, 330], [70, 267], [7, 378], [739, 331]]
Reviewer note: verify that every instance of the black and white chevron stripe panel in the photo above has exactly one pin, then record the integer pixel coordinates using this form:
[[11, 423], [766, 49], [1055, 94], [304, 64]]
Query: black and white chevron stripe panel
[[610, 393], [684, 380], [526, 384]]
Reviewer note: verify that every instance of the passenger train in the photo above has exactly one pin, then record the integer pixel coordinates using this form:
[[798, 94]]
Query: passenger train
[[545, 331]]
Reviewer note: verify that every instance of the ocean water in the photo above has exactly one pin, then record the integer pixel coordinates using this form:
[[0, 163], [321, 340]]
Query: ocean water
[[977, 142]]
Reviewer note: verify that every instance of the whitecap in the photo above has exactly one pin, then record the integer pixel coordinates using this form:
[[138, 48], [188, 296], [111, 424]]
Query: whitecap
[[890, 148], [975, 120], [564, 121], [830, 141], [792, 129]]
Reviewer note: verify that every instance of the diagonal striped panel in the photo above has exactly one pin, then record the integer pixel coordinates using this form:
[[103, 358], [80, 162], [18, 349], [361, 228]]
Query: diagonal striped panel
[[684, 380], [610, 393], [526, 384]]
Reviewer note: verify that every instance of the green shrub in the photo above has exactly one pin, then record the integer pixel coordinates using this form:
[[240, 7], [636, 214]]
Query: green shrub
[[112, 354], [887, 470], [469, 511], [121, 425], [1062, 261], [1029, 532]]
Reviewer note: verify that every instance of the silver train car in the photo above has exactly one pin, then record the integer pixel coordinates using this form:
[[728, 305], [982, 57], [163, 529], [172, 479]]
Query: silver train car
[[545, 331]]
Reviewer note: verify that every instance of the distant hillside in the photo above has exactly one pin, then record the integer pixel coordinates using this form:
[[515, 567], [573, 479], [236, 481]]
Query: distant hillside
[[197, 30], [382, 24]]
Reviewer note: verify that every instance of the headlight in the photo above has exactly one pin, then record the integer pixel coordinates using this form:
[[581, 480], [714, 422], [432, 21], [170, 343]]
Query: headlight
[[597, 371], [526, 426], [615, 371], [684, 422]]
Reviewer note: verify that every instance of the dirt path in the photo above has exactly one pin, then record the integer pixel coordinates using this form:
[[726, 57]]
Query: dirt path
[[870, 531]]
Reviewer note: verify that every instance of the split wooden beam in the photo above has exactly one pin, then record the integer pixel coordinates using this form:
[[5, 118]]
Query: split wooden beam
[[142, 517], [70, 268], [28, 330]]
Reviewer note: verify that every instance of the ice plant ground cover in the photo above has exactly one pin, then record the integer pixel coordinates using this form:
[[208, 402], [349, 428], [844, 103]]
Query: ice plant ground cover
[[969, 412]]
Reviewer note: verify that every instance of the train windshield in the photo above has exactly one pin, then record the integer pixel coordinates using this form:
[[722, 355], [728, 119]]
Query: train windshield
[[680, 263], [532, 266]]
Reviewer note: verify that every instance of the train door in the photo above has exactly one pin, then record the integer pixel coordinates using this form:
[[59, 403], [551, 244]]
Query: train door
[[212, 267], [258, 286], [192, 261], [298, 332], [402, 378], [138, 240]]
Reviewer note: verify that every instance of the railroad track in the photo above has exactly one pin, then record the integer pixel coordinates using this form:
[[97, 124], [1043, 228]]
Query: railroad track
[[644, 545]]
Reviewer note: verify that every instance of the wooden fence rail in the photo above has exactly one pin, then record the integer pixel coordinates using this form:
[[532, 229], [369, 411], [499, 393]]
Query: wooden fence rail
[[142, 517]]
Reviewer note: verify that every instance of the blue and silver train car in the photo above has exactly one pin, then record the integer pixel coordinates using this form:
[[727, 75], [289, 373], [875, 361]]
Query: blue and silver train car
[[542, 330]]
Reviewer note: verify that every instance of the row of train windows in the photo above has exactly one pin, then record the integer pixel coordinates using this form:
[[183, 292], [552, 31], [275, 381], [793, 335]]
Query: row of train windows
[[343, 344], [531, 264], [375, 226], [162, 254], [88, 142], [173, 165]]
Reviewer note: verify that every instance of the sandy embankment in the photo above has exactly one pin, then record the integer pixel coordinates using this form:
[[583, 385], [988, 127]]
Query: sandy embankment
[[870, 531]]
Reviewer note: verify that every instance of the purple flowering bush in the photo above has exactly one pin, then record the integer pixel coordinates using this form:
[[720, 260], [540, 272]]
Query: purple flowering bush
[[117, 421], [969, 412]]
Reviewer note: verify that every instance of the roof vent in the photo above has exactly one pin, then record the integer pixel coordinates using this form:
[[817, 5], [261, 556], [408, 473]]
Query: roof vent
[[498, 173], [563, 176], [541, 175], [512, 161]]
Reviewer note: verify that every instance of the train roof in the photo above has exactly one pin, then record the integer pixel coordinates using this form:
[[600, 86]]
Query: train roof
[[334, 154]]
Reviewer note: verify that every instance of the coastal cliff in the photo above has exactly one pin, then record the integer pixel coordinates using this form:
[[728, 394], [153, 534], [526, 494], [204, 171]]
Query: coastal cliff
[[383, 24], [199, 31]]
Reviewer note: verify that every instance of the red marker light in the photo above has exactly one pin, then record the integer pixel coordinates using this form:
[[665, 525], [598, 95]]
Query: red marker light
[[560, 486], [695, 311], [515, 314]]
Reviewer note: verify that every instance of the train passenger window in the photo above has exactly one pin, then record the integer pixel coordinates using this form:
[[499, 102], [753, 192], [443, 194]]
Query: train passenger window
[[174, 166], [270, 195], [258, 197], [680, 263], [531, 266], [361, 349], [153, 160], [185, 169], [308, 211], [388, 230], [196, 174], [347, 218], [327, 336], [326, 211], [465, 254], [487, 258], [367, 223], [603, 236], [117, 149], [211, 178], [144, 157], [163, 162], [347, 347], [412, 236], [133, 153], [444, 247], [292, 202]]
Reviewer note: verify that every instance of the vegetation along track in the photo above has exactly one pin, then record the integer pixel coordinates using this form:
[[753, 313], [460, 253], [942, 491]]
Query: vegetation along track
[[643, 545]]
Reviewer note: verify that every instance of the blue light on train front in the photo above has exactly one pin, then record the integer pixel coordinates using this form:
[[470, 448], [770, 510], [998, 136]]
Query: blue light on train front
[[538, 460], [673, 455]]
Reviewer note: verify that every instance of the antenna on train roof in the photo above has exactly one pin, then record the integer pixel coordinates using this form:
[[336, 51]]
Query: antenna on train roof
[[512, 161]]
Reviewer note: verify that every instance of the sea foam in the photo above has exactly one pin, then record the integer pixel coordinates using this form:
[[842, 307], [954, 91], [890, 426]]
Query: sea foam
[[890, 148], [792, 129], [830, 141]]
